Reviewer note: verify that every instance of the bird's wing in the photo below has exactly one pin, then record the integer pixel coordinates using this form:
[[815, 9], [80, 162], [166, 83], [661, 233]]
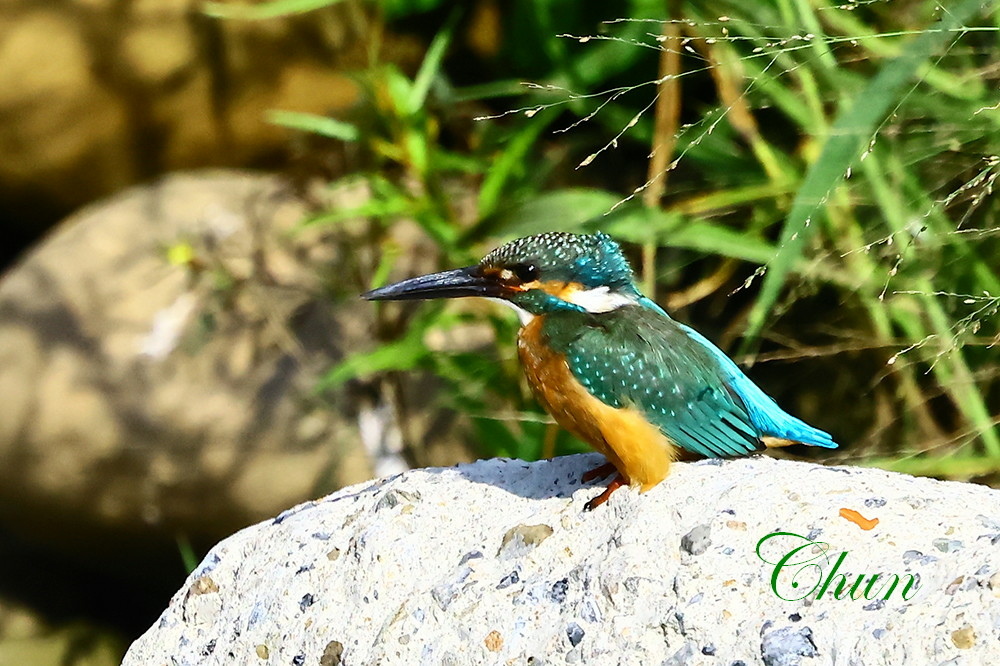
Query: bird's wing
[[643, 360]]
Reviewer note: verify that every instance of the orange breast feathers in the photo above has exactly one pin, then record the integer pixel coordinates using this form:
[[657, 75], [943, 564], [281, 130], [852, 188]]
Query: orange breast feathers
[[637, 448]]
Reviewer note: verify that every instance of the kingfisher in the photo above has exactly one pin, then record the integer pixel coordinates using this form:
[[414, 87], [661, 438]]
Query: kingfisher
[[610, 365]]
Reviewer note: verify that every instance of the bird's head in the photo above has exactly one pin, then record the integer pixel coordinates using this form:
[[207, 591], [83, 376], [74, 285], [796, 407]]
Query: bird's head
[[536, 274]]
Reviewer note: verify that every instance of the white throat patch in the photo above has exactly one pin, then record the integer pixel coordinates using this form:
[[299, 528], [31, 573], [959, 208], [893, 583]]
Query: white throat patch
[[598, 299], [522, 314], [595, 301]]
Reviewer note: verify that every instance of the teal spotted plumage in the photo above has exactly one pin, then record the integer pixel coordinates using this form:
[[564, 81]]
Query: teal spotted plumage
[[610, 364], [635, 357]]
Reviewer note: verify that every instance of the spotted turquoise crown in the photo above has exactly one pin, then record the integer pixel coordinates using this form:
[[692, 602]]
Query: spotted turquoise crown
[[590, 260]]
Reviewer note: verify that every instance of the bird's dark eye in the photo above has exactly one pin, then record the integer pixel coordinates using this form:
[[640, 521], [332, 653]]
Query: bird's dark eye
[[525, 272]]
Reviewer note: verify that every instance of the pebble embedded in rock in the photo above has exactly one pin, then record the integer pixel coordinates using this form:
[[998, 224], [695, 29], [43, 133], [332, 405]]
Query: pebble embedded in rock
[[963, 638], [681, 657], [786, 646], [332, 654], [697, 540], [947, 545], [575, 633], [558, 591], [508, 580], [916, 555], [471, 555], [522, 538], [493, 641], [203, 585]]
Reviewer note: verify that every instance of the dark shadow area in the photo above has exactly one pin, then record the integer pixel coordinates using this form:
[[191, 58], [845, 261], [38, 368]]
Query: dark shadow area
[[64, 591], [561, 476]]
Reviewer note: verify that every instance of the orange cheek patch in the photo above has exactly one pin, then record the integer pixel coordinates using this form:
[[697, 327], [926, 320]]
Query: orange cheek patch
[[561, 290], [528, 286]]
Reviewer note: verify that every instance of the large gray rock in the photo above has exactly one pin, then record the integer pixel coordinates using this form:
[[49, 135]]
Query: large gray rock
[[496, 562], [159, 362]]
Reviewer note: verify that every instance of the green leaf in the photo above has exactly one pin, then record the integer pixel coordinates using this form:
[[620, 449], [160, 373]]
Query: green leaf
[[717, 239], [266, 10], [431, 65], [508, 163], [562, 209], [310, 122], [962, 468], [400, 89], [397, 9], [405, 354], [852, 130]]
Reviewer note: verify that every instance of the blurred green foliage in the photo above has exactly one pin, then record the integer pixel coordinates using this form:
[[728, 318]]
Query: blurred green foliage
[[829, 197]]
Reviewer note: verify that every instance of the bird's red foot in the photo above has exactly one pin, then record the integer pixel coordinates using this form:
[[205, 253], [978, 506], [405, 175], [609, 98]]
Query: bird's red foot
[[601, 472], [615, 484]]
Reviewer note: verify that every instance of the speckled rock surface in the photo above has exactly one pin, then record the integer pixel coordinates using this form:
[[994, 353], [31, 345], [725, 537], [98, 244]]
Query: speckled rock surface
[[497, 563]]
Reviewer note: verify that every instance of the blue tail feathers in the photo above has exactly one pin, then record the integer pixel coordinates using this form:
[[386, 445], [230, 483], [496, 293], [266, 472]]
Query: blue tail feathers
[[770, 419], [765, 413]]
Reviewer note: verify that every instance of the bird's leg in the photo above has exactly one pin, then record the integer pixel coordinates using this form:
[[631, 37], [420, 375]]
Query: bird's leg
[[615, 484], [600, 472]]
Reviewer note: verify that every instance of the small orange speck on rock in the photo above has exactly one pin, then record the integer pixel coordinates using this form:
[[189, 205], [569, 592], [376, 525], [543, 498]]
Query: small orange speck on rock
[[858, 519], [493, 641]]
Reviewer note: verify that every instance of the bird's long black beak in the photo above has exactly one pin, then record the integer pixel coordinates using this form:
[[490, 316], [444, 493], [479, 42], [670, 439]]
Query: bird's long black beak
[[468, 281]]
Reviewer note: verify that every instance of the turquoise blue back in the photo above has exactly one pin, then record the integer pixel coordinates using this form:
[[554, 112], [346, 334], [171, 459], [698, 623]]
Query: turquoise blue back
[[636, 356]]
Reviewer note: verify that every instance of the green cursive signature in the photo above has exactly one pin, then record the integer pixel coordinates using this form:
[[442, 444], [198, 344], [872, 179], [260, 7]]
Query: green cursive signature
[[805, 560]]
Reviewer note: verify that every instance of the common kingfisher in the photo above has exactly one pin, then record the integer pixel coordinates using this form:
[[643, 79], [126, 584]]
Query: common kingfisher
[[610, 365]]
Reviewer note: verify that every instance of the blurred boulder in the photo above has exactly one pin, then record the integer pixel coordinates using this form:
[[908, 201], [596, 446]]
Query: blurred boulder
[[159, 362], [98, 95]]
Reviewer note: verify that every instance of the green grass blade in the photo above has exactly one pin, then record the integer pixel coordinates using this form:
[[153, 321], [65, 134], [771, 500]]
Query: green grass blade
[[849, 134], [310, 122], [565, 210], [189, 558], [717, 239], [431, 65], [508, 164], [267, 10], [953, 468]]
